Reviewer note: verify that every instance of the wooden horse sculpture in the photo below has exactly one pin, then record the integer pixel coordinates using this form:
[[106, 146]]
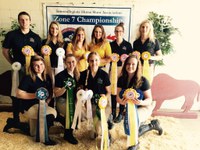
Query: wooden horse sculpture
[[165, 87]]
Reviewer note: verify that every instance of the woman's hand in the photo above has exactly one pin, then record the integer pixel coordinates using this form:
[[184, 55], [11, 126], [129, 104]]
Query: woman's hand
[[124, 101], [136, 101]]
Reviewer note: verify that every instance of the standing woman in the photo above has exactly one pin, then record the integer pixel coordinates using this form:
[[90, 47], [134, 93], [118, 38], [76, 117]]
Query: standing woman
[[26, 91], [146, 41], [69, 75], [119, 46], [131, 77], [54, 40], [78, 47], [100, 45]]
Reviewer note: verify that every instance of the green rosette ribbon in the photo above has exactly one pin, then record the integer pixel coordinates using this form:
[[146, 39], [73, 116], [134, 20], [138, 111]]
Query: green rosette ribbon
[[69, 84]]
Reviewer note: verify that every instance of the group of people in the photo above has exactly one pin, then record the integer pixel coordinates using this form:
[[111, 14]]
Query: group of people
[[87, 66]]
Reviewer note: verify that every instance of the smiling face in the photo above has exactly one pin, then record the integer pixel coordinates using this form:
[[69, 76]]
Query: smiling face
[[70, 63], [80, 36], [24, 22], [145, 29], [98, 33], [38, 67], [54, 30], [131, 65], [94, 61], [119, 32]]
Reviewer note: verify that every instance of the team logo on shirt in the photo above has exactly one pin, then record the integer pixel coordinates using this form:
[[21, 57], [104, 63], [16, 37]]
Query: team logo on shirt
[[32, 40], [124, 48], [99, 81]]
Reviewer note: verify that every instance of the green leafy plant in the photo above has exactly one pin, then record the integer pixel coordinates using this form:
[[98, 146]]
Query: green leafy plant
[[163, 30]]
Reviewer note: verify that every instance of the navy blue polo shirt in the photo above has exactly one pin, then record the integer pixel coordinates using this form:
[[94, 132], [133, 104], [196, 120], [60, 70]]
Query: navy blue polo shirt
[[122, 83], [124, 48], [59, 81], [28, 85], [146, 46], [16, 40], [97, 84]]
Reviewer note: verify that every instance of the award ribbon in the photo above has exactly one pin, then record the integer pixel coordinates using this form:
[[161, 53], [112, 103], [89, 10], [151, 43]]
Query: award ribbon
[[131, 121], [16, 66], [46, 52], [123, 57], [82, 98], [60, 52], [136, 53], [28, 52], [114, 59], [104, 139], [69, 85], [42, 131], [146, 70]]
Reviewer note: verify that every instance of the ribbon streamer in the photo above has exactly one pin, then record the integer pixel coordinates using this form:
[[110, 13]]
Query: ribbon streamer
[[28, 52], [82, 98], [131, 121], [104, 139], [146, 69], [16, 66], [69, 85], [42, 131], [60, 52], [114, 59], [46, 52]]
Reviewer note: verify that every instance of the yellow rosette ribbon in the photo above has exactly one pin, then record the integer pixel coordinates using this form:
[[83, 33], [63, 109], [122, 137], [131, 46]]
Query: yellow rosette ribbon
[[104, 139], [28, 52], [131, 119], [114, 59], [146, 69], [46, 52]]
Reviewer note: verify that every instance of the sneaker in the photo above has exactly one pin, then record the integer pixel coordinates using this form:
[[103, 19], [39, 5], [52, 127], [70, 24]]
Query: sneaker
[[118, 119]]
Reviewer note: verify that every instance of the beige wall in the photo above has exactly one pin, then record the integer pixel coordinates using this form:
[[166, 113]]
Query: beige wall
[[183, 64]]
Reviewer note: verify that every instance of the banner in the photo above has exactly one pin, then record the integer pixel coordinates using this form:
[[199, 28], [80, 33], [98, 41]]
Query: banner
[[71, 17]]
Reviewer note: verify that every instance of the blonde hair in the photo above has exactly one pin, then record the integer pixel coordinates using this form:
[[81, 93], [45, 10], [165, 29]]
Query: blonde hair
[[74, 39], [59, 37], [76, 72], [151, 34]]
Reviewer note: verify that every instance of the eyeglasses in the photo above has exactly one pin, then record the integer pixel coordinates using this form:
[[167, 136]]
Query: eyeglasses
[[118, 31]]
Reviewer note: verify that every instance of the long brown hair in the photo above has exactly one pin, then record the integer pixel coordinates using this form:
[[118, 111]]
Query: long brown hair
[[103, 38], [136, 80], [32, 70]]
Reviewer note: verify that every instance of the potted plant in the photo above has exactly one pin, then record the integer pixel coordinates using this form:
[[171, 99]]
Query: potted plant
[[163, 30]]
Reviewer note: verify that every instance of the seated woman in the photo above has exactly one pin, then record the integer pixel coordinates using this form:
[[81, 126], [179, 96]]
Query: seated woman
[[26, 91], [62, 87], [131, 77], [97, 80]]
